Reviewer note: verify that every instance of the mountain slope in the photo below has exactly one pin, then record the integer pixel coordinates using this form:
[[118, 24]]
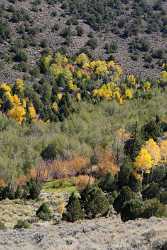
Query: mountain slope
[[134, 32]]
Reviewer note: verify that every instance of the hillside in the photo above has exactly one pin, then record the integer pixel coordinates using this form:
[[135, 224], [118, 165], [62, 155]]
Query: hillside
[[83, 124], [133, 32]]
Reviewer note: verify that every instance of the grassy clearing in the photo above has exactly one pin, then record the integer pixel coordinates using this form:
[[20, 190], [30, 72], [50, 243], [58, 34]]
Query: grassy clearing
[[63, 185]]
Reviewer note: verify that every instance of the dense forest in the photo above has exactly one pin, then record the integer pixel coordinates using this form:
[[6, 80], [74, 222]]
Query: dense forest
[[83, 96]]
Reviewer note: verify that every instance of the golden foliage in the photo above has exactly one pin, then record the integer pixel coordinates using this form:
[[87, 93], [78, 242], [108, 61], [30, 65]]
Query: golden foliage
[[82, 59], [153, 149], [32, 112], [143, 161], [18, 113], [82, 181], [132, 79], [107, 163], [2, 183], [67, 168], [163, 76]]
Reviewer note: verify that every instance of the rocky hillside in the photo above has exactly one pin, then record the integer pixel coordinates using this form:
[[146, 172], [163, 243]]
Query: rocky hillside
[[100, 234], [133, 32]]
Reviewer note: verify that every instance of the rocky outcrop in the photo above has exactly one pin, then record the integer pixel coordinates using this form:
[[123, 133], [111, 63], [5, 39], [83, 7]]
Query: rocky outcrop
[[98, 234]]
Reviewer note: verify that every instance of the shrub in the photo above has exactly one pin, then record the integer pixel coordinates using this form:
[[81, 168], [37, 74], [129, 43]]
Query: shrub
[[153, 207], [111, 48], [152, 129], [82, 181], [134, 183], [158, 53], [94, 202], [20, 56], [163, 197], [73, 209], [34, 189], [92, 43], [44, 212], [7, 192], [50, 152], [107, 182], [4, 31], [133, 145], [20, 15], [66, 32], [132, 209], [151, 191], [22, 224], [2, 226], [124, 173], [19, 193], [80, 30], [112, 196], [126, 194], [158, 174]]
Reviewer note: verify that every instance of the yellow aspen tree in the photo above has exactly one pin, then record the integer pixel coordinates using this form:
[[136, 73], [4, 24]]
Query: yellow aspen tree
[[131, 79], [82, 59], [163, 76], [154, 150], [18, 113], [143, 161], [32, 112], [129, 93]]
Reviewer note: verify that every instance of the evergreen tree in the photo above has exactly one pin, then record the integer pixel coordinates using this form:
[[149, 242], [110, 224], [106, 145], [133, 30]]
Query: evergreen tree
[[94, 202], [73, 209]]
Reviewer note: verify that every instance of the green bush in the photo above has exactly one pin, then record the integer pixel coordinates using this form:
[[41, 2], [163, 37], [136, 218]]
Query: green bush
[[107, 183], [94, 202], [125, 172], [44, 212], [7, 192], [4, 31], [126, 194], [135, 184], [163, 197], [2, 226], [158, 175], [132, 146], [92, 43], [74, 211], [153, 207], [112, 196], [20, 56], [33, 188], [22, 224], [132, 209], [50, 152], [151, 191], [80, 30], [19, 193], [152, 129]]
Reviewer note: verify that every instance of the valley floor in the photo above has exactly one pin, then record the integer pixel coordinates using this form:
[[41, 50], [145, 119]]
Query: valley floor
[[98, 234]]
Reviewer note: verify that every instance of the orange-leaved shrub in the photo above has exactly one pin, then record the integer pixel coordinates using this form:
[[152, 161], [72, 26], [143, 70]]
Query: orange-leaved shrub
[[82, 181]]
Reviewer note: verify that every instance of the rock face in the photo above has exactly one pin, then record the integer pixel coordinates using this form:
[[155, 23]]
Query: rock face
[[98, 234]]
